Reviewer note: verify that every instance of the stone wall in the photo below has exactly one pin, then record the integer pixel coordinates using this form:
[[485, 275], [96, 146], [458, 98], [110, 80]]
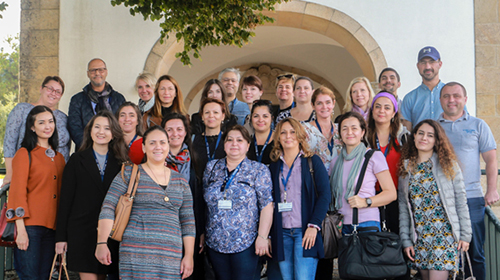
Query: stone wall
[[39, 50]]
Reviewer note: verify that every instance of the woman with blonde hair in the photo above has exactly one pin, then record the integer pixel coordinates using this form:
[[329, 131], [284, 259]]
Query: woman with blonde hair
[[168, 99], [359, 96], [145, 85], [301, 198]]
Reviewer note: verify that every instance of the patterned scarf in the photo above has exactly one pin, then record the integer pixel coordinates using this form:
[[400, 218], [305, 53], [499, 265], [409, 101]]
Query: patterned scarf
[[179, 162], [101, 99]]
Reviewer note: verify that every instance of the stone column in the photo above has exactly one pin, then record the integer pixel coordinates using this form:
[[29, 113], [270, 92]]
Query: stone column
[[39, 47]]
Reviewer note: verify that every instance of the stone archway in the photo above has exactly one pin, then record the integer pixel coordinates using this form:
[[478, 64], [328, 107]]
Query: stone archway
[[316, 18]]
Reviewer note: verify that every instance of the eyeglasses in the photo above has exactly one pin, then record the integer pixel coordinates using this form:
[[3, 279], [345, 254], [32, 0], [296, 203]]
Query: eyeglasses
[[100, 70], [286, 76], [52, 90]]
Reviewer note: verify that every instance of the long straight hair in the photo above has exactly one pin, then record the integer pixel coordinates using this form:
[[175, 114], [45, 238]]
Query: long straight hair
[[177, 103], [30, 140], [117, 143], [394, 127]]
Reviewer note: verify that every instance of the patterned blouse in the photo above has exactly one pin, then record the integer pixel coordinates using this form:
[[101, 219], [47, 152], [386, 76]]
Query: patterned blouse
[[15, 128], [234, 230]]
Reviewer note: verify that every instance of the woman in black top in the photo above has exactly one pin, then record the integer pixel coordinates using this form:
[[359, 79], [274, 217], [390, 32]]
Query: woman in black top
[[261, 119]]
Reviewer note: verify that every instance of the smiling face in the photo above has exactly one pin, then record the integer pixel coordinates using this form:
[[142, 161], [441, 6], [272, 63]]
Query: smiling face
[[235, 146], [155, 146], [389, 82], [360, 95], [261, 119], [101, 131], [145, 90], [44, 125], [324, 106], [231, 83], [97, 73], [50, 94], [428, 68], [303, 91], [212, 115], [176, 133], [250, 93], [166, 93], [383, 110], [128, 119], [288, 137], [284, 90], [214, 92], [425, 138], [453, 101], [351, 132]]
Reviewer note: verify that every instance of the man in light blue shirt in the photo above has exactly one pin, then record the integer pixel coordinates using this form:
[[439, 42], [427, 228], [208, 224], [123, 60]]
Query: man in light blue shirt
[[470, 138], [230, 78], [423, 102]]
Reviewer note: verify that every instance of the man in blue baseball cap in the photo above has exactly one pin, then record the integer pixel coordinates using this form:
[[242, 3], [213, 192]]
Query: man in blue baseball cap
[[423, 102]]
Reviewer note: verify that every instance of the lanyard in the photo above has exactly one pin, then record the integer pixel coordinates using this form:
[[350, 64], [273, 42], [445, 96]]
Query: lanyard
[[211, 157], [330, 143], [259, 155], [283, 180], [229, 179], [378, 145], [293, 105], [101, 171], [133, 139]]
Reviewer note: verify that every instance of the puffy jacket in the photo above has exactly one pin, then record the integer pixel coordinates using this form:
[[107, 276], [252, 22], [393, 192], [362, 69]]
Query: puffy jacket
[[81, 111], [453, 198]]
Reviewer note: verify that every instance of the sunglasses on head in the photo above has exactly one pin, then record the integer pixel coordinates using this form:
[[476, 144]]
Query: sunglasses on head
[[287, 76]]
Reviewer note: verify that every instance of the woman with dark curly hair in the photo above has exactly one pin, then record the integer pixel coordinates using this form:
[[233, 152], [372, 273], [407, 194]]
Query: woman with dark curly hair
[[432, 202]]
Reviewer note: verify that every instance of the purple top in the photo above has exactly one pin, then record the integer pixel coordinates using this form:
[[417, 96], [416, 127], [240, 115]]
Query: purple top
[[292, 219], [377, 164]]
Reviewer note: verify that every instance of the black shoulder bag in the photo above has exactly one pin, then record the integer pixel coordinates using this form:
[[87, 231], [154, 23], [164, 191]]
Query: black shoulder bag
[[370, 255]]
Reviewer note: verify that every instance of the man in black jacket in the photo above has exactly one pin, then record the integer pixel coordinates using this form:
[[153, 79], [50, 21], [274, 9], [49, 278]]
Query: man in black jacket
[[96, 96]]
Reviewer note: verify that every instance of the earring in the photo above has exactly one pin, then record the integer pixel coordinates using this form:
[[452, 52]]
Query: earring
[[392, 120]]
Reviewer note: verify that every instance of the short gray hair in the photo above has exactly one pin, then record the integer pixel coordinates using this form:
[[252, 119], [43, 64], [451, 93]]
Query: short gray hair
[[234, 70]]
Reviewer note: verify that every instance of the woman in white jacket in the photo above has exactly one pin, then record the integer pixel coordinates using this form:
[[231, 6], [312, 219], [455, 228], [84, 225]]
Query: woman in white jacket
[[432, 203]]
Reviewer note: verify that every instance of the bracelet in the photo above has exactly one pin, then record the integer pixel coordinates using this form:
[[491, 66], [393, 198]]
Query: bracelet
[[262, 237], [100, 243]]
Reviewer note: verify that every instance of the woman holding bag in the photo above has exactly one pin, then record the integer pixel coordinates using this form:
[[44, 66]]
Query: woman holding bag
[[301, 202], [432, 203], [86, 180], [37, 169]]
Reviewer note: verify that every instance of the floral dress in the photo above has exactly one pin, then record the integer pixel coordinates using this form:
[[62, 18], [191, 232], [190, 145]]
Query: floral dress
[[435, 248]]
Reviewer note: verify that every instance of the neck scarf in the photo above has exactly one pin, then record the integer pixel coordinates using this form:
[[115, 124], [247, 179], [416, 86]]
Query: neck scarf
[[356, 108], [178, 162], [146, 106], [101, 99], [337, 175]]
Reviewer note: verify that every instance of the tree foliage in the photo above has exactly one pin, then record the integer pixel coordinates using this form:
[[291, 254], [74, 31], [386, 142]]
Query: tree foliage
[[204, 23], [9, 84], [3, 6]]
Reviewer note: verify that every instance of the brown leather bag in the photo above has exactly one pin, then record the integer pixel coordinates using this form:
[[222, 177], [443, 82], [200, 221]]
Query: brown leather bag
[[124, 206]]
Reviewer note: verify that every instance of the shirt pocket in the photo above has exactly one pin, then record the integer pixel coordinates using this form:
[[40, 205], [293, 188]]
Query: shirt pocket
[[469, 139]]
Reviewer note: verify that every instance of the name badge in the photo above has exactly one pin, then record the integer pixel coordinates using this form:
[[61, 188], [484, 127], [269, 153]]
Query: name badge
[[284, 207], [225, 204]]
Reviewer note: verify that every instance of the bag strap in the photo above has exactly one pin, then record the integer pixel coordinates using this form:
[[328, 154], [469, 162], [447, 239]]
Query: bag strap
[[362, 172], [311, 169], [62, 266], [134, 179]]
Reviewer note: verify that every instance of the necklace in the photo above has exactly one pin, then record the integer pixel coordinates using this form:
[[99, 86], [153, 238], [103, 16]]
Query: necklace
[[157, 181]]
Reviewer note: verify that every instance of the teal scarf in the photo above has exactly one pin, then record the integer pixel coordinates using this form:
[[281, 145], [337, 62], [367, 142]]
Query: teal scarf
[[336, 177]]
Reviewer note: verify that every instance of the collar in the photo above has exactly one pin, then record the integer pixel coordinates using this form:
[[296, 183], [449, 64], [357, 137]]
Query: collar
[[439, 84], [301, 153], [465, 116]]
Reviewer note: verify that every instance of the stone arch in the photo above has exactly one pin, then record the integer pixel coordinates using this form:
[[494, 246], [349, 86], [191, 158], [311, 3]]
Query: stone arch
[[313, 17]]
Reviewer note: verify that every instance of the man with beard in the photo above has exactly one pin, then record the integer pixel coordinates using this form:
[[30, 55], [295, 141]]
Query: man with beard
[[389, 81], [97, 95], [423, 102], [230, 78]]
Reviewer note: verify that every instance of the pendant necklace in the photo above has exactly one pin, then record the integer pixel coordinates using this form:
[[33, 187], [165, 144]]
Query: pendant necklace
[[157, 181]]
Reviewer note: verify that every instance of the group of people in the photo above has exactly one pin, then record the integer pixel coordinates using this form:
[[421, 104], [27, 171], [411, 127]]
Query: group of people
[[239, 183]]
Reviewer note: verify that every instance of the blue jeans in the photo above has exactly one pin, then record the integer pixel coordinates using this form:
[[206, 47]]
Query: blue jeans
[[476, 248], [295, 265], [36, 261], [238, 266], [347, 229]]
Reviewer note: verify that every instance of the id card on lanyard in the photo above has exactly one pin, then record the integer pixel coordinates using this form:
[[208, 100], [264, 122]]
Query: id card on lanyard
[[211, 157], [224, 203], [286, 206]]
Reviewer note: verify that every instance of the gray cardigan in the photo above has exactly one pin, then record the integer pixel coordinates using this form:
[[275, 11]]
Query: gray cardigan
[[453, 197]]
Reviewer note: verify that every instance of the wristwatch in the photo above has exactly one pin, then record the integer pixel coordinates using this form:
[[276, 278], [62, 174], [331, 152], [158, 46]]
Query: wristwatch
[[369, 202]]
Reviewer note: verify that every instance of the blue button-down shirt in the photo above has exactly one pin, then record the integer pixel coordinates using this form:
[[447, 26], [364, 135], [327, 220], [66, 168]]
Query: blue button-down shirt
[[239, 109], [422, 103]]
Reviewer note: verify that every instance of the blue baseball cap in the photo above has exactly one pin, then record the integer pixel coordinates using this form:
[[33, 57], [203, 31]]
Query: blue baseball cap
[[429, 52]]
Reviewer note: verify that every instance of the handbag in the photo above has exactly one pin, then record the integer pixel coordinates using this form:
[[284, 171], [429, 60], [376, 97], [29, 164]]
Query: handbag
[[8, 231], [370, 255], [124, 206], [331, 225], [62, 265], [461, 273]]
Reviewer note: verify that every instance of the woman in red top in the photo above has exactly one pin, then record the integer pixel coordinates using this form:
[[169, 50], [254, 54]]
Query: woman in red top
[[130, 119], [34, 194]]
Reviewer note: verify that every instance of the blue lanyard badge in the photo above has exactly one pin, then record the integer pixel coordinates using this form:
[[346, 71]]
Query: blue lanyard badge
[[101, 170], [331, 142], [283, 180], [133, 139], [211, 157], [229, 179], [259, 155], [378, 145]]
